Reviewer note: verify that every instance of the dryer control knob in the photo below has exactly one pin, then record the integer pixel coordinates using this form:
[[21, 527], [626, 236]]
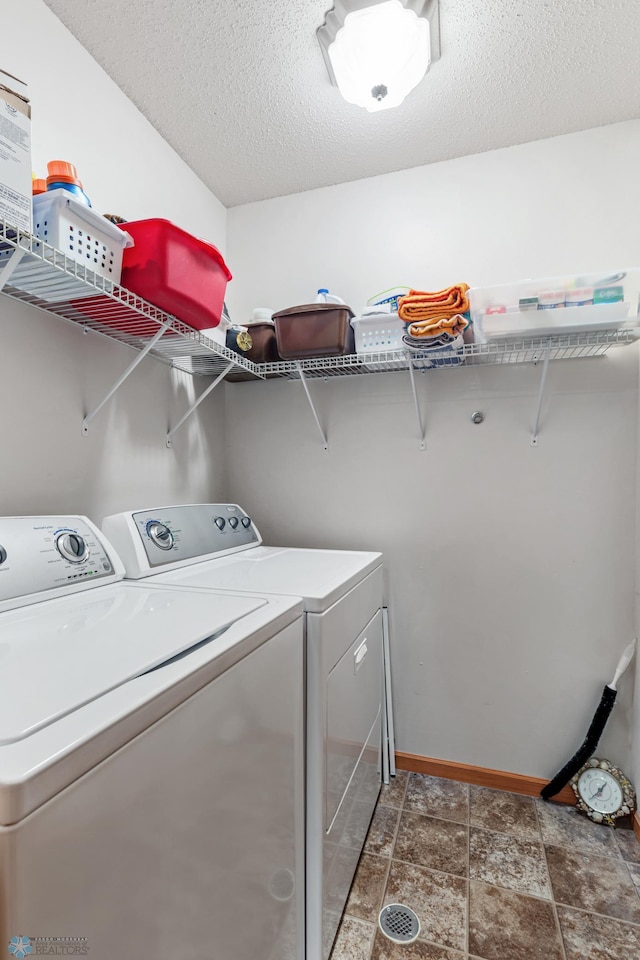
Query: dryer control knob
[[220, 522], [233, 522], [160, 534], [72, 547], [246, 522], [3, 554]]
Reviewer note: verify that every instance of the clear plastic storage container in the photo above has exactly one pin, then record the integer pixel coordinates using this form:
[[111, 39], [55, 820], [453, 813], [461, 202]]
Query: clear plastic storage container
[[556, 305]]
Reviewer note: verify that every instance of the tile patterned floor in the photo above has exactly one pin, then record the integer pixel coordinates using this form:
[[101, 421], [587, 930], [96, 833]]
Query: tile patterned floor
[[492, 876]]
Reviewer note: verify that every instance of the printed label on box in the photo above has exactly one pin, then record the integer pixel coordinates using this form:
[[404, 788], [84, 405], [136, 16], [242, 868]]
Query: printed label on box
[[15, 166]]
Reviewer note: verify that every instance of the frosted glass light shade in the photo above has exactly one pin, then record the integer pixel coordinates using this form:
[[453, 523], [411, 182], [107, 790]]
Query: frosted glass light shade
[[377, 53]]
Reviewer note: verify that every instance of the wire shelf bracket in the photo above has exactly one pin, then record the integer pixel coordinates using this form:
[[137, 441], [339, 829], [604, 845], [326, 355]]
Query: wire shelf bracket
[[421, 429], [197, 403], [11, 264], [325, 442], [543, 381], [121, 379]]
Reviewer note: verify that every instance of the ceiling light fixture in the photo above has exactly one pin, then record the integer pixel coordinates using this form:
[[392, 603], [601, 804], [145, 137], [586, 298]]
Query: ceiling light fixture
[[377, 52]]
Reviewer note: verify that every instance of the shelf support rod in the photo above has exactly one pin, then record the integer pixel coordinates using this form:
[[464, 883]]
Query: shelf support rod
[[421, 430], [132, 366], [10, 266], [202, 397], [325, 442], [543, 380], [389, 733]]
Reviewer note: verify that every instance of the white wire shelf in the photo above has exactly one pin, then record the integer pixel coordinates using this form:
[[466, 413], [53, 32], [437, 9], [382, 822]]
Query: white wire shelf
[[48, 279], [530, 350], [35, 273]]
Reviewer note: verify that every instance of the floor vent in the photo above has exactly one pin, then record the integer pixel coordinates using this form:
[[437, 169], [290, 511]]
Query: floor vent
[[399, 923]]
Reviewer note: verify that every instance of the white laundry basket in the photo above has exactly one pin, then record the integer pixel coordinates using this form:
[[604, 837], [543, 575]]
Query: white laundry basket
[[378, 333], [80, 233]]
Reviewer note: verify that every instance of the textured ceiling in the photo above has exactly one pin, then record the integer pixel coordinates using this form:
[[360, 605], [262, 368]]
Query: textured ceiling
[[240, 89]]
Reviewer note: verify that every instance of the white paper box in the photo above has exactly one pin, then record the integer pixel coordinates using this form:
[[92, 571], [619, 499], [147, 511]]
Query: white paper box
[[15, 152]]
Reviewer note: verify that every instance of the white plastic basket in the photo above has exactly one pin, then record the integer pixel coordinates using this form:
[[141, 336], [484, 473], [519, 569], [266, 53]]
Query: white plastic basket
[[80, 233], [378, 333]]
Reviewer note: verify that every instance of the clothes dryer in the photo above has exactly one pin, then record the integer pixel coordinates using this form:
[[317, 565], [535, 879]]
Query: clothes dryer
[[204, 546]]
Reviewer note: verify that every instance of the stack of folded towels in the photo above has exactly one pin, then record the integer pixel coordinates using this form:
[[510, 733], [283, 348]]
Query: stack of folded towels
[[435, 319]]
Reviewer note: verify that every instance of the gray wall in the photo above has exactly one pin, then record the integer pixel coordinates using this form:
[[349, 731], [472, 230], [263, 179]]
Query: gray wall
[[52, 374], [510, 569]]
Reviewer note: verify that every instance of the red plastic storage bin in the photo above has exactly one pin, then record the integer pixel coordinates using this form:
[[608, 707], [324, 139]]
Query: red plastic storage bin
[[177, 272]]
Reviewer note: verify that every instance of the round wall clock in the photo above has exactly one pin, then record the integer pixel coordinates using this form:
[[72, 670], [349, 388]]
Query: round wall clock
[[603, 792]]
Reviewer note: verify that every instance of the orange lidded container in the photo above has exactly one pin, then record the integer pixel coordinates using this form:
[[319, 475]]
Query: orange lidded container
[[59, 171]]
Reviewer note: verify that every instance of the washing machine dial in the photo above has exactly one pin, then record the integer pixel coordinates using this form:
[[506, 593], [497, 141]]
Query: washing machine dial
[[3, 554], [160, 534], [72, 547], [233, 522], [246, 522], [220, 522]]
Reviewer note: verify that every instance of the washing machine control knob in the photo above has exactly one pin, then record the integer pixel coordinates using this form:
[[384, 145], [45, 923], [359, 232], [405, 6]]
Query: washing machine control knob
[[160, 534], [220, 522], [3, 554], [233, 522], [246, 522], [72, 547]]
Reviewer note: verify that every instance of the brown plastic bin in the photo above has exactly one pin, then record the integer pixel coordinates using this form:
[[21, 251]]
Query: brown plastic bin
[[314, 330], [264, 348]]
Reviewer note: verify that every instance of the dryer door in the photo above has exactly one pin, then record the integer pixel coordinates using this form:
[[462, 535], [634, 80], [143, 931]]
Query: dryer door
[[354, 698]]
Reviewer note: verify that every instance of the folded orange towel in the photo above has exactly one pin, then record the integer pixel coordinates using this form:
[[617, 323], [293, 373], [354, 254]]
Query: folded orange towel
[[425, 305], [433, 328]]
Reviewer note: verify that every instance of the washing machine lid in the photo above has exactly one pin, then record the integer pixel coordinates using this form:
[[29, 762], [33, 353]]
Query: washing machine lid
[[320, 577], [59, 655]]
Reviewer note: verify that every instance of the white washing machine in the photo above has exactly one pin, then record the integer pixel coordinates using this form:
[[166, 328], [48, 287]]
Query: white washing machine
[[217, 545], [151, 759]]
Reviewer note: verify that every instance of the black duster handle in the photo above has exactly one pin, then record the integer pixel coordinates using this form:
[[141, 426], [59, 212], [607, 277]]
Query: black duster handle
[[587, 749]]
